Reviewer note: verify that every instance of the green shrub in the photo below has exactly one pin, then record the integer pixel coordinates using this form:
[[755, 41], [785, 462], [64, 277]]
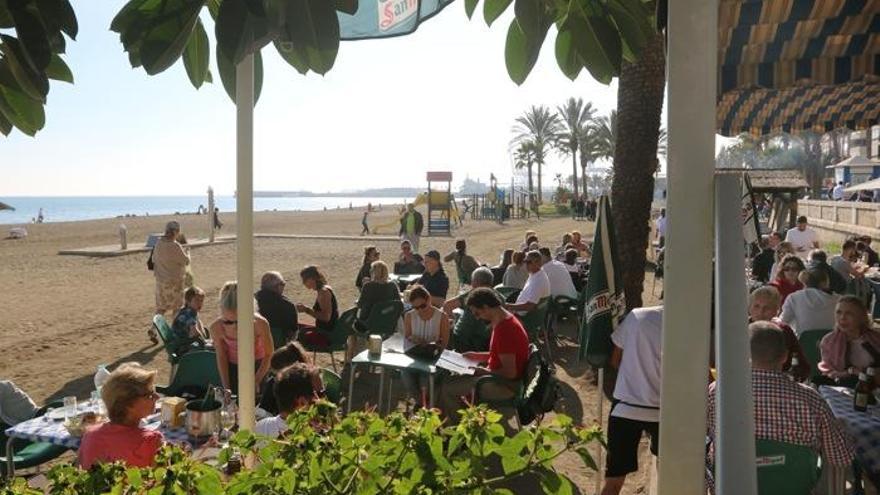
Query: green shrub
[[362, 453]]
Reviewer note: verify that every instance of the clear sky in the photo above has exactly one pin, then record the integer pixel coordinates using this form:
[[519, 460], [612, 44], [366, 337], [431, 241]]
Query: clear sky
[[389, 110]]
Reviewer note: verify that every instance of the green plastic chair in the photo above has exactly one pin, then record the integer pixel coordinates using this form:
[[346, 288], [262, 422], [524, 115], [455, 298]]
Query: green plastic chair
[[535, 323], [332, 385], [518, 398], [167, 337], [195, 371], [507, 292], [809, 340], [28, 454], [343, 329], [383, 318], [786, 469]]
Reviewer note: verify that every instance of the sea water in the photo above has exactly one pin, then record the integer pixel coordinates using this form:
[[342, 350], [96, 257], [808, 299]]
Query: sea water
[[66, 209]]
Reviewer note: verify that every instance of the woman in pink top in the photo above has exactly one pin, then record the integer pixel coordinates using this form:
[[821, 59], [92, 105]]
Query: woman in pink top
[[130, 395], [224, 333], [850, 348]]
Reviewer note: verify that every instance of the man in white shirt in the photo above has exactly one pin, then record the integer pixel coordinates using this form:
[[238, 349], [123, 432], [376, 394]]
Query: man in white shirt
[[837, 192], [537, 286], [558, 274], [802, 238], [813, 307], [296, 386], [15, 405], [636, 406], [660, 234]]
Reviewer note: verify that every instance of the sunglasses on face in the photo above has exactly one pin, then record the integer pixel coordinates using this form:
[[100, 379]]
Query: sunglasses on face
[[420, 307], [229, 322], [791, 269], [152, 395]]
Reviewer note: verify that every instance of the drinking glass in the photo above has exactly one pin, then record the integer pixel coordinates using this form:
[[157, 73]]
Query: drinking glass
[[69, 407], [227, 421]]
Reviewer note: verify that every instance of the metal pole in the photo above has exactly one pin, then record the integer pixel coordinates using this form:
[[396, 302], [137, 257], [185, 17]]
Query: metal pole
[[244, 104], [600, 414], [735, 422], [692, 42]]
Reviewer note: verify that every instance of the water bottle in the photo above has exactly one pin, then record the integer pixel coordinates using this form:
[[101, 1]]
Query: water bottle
[[101, 377]]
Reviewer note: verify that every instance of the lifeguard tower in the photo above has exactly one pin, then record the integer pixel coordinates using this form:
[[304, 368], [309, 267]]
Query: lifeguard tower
[[439, 207]]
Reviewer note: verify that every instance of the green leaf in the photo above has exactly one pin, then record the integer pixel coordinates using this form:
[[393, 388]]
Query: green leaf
[[312, 25], [196, 56], [469, 7], [566, 56], [59, 14], [5, 16], [33, 82], [127, 16], [587, 458], [521, 52], [21, 110], [5, 125], [31, 33], [167, 32], [238, 31], [59, 70], [227, 75], [596, 41], [529, 15], [633, 33], [492, 9], [555, 483], [293, 55]]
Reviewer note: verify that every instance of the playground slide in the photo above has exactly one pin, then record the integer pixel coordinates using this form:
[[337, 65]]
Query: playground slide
[[393, 226]]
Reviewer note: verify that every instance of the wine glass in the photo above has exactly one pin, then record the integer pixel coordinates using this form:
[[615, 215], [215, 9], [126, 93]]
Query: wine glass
[[227, 421]]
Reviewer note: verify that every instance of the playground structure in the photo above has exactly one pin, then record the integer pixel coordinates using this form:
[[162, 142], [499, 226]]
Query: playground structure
[[439, 203], [500, 204]]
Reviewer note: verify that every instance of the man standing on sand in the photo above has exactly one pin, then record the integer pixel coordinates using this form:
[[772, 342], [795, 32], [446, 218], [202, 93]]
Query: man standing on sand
[[365, 230], [169, 267], [802, 238], [411, 225]]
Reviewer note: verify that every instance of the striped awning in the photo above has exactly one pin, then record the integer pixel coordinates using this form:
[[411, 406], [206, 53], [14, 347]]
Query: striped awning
[[789, 65]]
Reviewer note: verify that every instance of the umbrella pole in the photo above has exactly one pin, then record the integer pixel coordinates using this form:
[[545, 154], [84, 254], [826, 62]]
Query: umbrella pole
[[600, 415], [244, 104], [691, 69]]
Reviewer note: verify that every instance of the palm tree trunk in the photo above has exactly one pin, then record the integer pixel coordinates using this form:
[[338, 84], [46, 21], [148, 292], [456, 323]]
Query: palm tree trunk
[[540, 187], [584, 182], [639, 105], [531, 184], [574, 173]]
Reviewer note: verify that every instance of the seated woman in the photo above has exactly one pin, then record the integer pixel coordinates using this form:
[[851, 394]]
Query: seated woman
[[371, 254], [470, 333], [130, 395], [850, 348], [408, 262], [224, 333], [377, 290], [325, 311], [787, 278], [187, 330], [424, 324], [465, 264], [565, 246], [284, 356], [498, 271], [507, 357], [434, 279], [516, 274]]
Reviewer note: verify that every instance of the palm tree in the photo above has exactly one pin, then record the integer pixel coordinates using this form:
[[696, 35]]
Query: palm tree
[[574, 118], [538, 126], [605, 134], [639, 105], [524, 157], [588, 147]]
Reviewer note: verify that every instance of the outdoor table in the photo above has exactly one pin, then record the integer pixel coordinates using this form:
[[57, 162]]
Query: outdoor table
[[44, 429], [404, 280], [393, 358], [862, 427]]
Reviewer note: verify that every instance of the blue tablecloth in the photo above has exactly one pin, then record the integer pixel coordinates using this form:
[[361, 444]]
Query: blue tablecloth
[[863, 427], [43, 429]]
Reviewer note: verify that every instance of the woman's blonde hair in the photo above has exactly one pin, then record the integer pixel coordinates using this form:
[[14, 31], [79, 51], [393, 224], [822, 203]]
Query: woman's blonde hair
[[126, 384], [229, 296], [379, 271]]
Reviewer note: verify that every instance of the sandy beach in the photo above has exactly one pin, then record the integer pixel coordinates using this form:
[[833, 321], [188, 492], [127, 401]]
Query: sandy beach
[[63, 315]]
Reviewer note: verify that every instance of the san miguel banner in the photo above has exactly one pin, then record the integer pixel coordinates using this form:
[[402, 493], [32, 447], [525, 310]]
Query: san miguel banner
[[751, 228], [605, 303]]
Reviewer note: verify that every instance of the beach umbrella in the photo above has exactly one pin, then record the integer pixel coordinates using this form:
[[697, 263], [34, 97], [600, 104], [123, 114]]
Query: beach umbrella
[[4, 206]]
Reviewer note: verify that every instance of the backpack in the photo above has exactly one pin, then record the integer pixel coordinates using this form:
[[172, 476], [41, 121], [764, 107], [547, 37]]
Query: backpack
[[542, 388], [150, 264]]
